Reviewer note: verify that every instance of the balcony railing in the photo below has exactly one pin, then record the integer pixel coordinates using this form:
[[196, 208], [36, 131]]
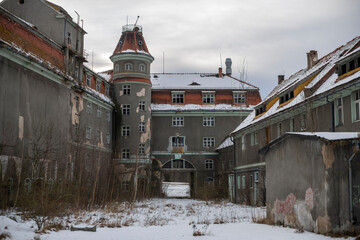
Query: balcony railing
[[131, 27]]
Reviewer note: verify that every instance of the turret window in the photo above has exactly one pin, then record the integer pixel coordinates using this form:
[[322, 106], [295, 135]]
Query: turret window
[[142, 67], [142, 105], [141, 43], [117, 68], [128, 67], [126, 89], [142, 127]]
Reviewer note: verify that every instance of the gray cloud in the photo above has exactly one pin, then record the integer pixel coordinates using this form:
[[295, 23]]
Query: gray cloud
[[273, 36]]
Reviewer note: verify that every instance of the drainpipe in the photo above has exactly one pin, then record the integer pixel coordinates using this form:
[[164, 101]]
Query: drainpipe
[[350, 184], [234, 164]]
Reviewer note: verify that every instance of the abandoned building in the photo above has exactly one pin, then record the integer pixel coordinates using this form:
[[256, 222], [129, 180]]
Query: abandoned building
[[62, 123], [323, 97]]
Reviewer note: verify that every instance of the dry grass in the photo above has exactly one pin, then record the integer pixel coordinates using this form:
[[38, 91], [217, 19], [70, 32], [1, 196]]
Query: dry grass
[[5, 235]]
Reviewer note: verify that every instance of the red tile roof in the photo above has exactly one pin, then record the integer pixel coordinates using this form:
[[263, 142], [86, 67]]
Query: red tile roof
[[131, 41]]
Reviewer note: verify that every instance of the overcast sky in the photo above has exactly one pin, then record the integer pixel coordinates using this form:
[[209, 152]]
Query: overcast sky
[[272, 35]]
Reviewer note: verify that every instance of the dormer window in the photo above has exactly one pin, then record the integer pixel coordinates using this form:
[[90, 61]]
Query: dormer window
[[142, 67], [128, 67], [349, 64], [286, 97], [260, 110]]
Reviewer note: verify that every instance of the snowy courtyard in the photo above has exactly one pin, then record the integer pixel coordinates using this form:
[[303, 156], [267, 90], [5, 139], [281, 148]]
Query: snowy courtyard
[[157, 219]]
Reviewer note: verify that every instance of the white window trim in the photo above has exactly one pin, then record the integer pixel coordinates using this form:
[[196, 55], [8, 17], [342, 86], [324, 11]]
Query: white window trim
[[208, 120], [208, 142], [338, 107], [177, 121], [353, 105]]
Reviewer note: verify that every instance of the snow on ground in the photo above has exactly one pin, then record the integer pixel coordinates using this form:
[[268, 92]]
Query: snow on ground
[[159, 219]]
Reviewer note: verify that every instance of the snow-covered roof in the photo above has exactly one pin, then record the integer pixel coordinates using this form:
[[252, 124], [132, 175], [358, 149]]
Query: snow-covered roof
[[197, 107], [331, 136], [182, 81], [104, 75], [324, 79], [226, 143]]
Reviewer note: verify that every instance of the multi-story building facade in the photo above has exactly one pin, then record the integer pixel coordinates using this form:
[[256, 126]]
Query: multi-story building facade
[[113, 126]]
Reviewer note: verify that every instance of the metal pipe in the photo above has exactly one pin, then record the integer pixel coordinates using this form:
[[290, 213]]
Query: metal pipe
[[234, 163]]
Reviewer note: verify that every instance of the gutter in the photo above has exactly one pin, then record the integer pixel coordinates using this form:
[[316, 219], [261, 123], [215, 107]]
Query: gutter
[[351, 209]]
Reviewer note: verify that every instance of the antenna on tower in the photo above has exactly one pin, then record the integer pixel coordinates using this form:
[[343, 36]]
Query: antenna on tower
[[137, 20]]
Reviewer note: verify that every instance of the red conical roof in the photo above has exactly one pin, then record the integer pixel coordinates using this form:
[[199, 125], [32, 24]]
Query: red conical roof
[[131, 40]]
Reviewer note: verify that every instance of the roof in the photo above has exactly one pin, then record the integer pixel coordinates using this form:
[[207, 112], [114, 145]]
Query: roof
[[200, 81], [132, 41], [226, 143], [198, 107], [322, 78], [326, 136]]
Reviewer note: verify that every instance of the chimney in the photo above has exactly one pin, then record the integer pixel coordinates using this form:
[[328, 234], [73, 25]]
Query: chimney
[[281, 78], [312, 58], [220, 72], [228, 63]]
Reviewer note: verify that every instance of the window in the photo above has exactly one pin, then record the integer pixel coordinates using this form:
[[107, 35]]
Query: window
[[126, 109], [77, 101], [98, 86], [279, 129], [303, 122], [125, 131], [243, 144], [141, 149], [140, 43], [125, 186], [142, 127], [178, 121], [252, 139], [117, 68], [177, 141], [243, 183], [256, 138], [88, 133], [209, 164], [208, 142], [239, 97], [108, 138], [238, 182], [142, 67], [142, 105], [108, 116], [89, 107], [125, 153], [260, 110], [88, 80], [99, 112], [98, 135], [208, 97], [107, 91], [286, 97], [292, 124], [251, 181], [351, 65], [128, 67], [208, 121], [126, 89], [355, 106], [339, 117], [21, 1], [178, 97]]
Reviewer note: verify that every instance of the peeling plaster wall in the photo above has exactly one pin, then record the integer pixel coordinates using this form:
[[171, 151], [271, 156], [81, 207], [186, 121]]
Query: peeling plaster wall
[[307, 184]]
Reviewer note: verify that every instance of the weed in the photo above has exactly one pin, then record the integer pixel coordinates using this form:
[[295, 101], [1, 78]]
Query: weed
[[200, 230], [5, 235]]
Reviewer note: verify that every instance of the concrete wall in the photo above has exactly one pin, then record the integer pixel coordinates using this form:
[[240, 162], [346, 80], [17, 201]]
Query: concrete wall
[[307, 184]]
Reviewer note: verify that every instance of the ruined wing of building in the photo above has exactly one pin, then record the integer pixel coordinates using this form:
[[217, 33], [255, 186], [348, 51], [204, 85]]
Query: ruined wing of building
[[283, 172]]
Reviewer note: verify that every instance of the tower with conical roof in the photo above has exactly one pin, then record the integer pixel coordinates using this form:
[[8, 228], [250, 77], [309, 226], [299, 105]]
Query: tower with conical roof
[[132, 90]]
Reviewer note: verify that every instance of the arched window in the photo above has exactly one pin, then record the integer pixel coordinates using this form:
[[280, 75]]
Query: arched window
[[117, 68], [128, 67], [142, 67], [209, 164]]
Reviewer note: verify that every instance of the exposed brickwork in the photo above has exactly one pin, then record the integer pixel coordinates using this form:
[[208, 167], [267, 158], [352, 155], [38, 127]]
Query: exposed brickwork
[[130, 41], [13, 32], [129, 79]]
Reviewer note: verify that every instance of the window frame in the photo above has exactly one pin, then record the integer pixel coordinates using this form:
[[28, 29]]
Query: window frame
[[243, 181], [355, 106], [208, 121], [88, 80], [142, 67], [99, 112], [208, 97], [339, 112], [89, 107], [178, 143], [208, 142], [177, 121], [125, 153], [108, 138], [98, 85], [142, 106], [239, 97], [88, 132], [126, 109], [141, 126], [141, 149], [209, 164], [128, 67], [125, 130], [126, 88], [178, 97]]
